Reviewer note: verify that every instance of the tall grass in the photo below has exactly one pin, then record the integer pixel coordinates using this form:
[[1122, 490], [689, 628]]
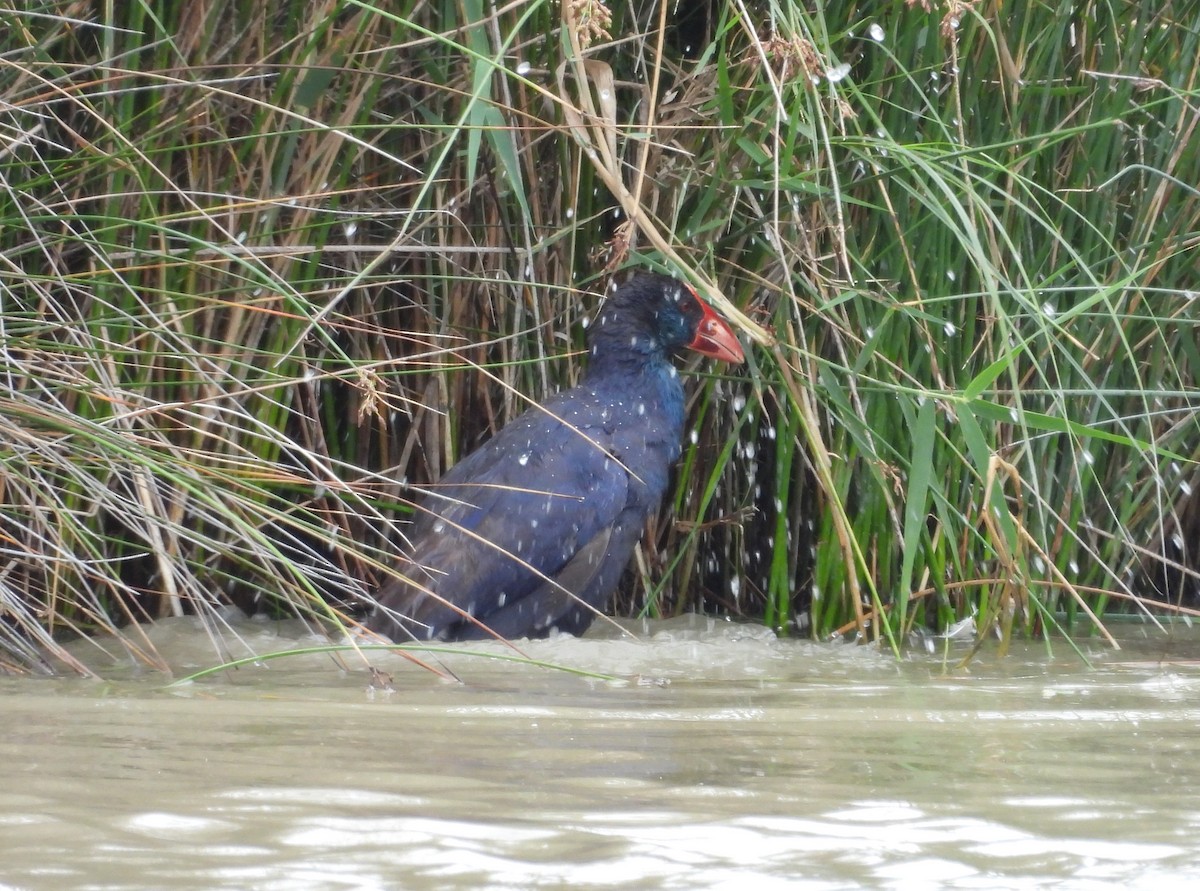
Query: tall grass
[[266, 270]]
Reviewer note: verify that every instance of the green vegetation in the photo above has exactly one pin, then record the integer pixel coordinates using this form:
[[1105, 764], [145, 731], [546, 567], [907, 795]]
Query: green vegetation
[[268, 268]]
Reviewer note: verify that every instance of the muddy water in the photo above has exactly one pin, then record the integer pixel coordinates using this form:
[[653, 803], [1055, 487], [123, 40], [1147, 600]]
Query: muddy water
[[723, 759]]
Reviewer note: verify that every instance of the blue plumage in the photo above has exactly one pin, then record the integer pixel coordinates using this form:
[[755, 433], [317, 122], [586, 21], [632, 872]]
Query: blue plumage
[[530, 533]]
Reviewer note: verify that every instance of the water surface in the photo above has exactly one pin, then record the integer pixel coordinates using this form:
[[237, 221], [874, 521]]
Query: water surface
[[723, 758]]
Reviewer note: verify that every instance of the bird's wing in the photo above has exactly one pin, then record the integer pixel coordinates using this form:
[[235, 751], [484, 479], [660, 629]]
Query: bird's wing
[[509, 515], [567, 602]]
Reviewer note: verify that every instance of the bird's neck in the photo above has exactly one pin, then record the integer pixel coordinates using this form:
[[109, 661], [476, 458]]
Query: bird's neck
[[626, 355], [637, 377]]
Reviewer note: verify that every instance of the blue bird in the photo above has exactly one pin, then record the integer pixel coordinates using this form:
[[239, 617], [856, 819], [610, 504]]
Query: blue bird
[[529, 534]]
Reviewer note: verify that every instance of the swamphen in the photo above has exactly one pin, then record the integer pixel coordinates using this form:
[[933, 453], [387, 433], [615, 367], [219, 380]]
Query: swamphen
[[529, 534]]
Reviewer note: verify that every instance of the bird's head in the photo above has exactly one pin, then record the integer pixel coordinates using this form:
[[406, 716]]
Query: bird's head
[[656, 314]]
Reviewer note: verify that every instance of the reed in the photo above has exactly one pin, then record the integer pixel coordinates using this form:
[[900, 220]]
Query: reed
[[266, 270]]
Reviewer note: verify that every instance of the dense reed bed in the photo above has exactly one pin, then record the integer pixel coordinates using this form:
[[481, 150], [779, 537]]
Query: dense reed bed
[[267, 269]]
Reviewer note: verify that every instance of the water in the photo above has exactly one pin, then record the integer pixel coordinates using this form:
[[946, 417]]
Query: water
[[724, 759]]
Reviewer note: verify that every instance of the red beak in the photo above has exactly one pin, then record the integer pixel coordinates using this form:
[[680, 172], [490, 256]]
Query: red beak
[[715, 338]]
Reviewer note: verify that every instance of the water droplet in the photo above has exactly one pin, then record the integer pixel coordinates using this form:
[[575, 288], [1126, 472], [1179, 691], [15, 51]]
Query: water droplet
[[739, 402], [1049, 309], [876, 32], [838, 73], [950, 329], [351, 228], [523, 459], [523, 67]]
